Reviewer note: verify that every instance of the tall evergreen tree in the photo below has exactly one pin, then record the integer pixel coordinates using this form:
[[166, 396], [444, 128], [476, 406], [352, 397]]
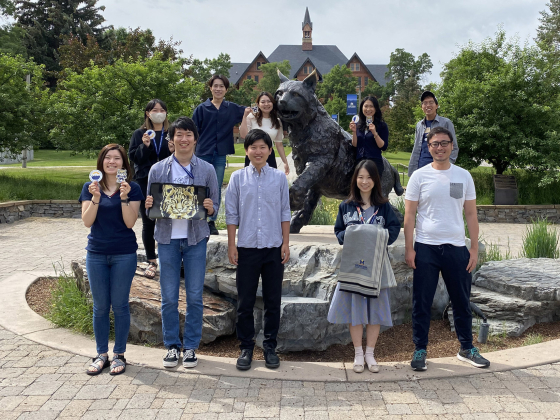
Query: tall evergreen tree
[[46, 22], [548, 32]]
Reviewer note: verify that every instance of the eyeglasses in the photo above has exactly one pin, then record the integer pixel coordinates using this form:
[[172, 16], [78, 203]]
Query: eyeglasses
[[436, 144], [428, 103]]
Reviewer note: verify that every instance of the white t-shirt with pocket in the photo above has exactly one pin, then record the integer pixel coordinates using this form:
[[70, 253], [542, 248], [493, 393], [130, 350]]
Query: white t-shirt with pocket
[[441, 197]]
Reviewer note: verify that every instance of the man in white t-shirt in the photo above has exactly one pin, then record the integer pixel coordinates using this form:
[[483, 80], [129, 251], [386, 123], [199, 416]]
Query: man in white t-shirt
[[439, 192]]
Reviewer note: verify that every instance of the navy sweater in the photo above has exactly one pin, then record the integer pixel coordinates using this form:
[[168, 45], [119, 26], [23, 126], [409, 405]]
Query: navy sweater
[[348, 215]]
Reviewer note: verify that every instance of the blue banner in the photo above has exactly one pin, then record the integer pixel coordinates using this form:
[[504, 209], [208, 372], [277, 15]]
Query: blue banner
[[351, 104], [334, 117]]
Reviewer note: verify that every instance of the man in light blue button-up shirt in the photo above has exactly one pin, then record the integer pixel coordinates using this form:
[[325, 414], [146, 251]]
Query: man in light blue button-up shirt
[[258, 202]]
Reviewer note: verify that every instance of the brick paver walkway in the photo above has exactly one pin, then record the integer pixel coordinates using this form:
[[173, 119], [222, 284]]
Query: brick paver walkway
[[37, 382]]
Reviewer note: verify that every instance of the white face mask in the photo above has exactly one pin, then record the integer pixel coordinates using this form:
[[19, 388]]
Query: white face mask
[[158, 117]]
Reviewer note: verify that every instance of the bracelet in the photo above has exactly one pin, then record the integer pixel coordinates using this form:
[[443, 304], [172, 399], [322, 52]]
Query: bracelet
[[94, 203]]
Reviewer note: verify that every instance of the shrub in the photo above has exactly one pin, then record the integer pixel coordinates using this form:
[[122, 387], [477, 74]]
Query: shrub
[[325, 213], [539, 241], [71, 309]]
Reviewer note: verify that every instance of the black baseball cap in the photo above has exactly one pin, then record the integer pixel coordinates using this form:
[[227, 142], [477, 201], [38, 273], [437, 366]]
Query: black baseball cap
[[426, 94]]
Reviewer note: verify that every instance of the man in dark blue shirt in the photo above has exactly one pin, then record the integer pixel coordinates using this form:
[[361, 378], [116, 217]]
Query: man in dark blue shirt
[[214, 120]]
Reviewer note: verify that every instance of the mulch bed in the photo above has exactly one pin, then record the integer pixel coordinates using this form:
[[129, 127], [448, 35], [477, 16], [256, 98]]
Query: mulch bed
[[393, 345]]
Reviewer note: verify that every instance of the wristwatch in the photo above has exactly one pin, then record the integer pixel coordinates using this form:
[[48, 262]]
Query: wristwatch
[[125, 201]]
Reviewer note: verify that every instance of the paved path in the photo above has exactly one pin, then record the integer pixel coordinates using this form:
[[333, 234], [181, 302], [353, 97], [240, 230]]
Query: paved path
[[37, 382]]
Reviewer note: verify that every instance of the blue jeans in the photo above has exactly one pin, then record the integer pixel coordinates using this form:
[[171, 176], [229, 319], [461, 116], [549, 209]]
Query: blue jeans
[[110, 277], [194, 261], [219, 164]]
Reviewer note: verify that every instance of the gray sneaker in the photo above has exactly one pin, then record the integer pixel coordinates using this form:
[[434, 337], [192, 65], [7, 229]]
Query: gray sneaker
[[473, 357]]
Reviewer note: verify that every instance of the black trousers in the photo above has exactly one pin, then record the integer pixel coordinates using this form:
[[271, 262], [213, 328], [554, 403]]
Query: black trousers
[[255, 263], [271, 160], [378, 163], [452, 262], [148, 225]]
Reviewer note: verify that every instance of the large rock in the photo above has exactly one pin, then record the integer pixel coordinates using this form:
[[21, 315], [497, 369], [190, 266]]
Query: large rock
[[516, 294], [218, 317], [304, 326]]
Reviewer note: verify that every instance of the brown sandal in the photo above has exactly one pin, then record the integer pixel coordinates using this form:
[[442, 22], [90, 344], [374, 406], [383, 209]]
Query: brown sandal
[[151, 270]]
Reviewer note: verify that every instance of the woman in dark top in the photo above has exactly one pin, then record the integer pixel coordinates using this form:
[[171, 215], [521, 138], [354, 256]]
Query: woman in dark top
[[370, 136], [110, 209], [144, 152]]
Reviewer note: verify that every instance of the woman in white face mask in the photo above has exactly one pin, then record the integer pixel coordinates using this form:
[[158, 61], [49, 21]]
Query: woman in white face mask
[[145, 151]]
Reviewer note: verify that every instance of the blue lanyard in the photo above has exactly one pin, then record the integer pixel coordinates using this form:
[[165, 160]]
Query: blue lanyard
[[371, 219], [189, 173], [158, 148]]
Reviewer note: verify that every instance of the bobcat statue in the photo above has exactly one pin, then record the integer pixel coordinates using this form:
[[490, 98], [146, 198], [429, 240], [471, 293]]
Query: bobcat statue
[[323, 154]]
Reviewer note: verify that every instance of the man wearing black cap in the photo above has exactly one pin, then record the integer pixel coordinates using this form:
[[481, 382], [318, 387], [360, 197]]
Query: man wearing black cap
[[420, 153]]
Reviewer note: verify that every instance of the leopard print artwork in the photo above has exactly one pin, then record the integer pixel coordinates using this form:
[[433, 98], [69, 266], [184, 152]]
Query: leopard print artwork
[[179, 202]]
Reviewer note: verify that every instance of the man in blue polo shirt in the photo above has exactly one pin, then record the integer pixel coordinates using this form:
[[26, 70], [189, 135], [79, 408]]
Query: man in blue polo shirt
[[421, 156], [215, 120]]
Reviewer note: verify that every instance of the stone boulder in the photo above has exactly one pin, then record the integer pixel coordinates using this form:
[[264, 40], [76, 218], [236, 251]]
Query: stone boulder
[[145, 308], [516, 294]]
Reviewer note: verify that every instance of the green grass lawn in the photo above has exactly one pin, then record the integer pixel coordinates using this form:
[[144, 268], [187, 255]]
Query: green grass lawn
[[58, 158]]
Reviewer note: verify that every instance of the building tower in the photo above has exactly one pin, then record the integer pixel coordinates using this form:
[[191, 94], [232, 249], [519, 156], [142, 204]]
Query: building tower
[[307, 28]]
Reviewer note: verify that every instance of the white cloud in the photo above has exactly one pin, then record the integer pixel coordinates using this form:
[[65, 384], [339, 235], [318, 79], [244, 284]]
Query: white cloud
[[373, 29]]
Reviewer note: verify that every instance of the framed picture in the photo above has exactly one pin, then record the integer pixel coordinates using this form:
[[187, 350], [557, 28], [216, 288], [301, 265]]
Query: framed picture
[[177, 201]]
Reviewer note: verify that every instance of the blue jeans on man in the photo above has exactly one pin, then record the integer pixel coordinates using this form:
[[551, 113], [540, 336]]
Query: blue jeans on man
[[219, 163], [194, 261], [110, 278]]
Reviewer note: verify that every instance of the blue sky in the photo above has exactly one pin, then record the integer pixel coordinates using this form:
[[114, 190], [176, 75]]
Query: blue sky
[[373, 29]]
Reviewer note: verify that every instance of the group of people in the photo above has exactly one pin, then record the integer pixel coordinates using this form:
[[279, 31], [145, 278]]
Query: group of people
[[257, 208]]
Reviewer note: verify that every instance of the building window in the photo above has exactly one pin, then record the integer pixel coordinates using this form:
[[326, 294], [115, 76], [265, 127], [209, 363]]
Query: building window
[[259, 65], [357, 66], [249, 77], [366, 80], [352, 66], [307, 34], [359, 81], [304, 69], [257, 79]]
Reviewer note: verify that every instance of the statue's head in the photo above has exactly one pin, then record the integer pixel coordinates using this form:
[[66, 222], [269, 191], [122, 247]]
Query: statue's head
[[296, 101]]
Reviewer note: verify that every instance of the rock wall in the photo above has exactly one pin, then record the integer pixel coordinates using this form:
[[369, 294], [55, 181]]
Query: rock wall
[[12, 211], [518, 214]]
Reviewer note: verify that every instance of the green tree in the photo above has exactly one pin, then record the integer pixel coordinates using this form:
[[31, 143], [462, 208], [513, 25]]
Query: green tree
[[245, 95], [129, 45], [7, 7], [548, 32], [406, 74], [504, 102], [337, 82], [11, 40], [270, 80], [106, 104], [46, 22], [22, 104]]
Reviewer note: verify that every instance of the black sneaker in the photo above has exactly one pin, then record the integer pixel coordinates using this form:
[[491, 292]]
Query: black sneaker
[[213, 229], [171, 359], [244, 360], [419, 360], [271, 360], [189, 358], [473, 357]]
